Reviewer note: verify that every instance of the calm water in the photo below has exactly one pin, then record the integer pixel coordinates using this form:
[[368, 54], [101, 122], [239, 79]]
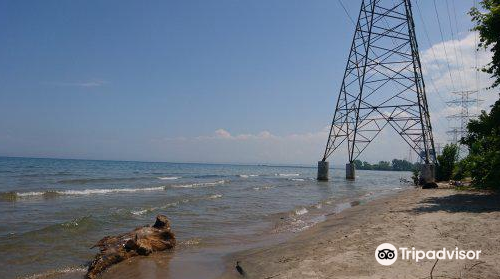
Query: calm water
[[52, 211]]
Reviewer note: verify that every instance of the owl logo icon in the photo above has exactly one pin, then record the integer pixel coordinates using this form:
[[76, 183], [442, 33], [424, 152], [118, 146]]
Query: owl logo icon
[[386, 254]]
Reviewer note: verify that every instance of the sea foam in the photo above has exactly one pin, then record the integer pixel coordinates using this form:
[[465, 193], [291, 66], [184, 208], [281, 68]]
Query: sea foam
[[196, 185], [287, 174], [301, 211], [215, 196], [83, 192], [58, 272], [247, 175], [169, 178]]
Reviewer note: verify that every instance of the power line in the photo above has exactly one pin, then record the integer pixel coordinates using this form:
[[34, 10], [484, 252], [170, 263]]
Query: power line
[[444, 46], [346, 12], [476, 66], [456, 28], [432, 50], [443, 103], [460, 73]]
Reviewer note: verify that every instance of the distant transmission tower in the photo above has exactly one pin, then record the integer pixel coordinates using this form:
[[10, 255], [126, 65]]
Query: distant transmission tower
[[382, 85], [464, 102]]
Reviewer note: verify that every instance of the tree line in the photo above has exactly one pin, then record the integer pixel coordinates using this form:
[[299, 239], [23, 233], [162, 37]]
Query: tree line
[[394, 165]]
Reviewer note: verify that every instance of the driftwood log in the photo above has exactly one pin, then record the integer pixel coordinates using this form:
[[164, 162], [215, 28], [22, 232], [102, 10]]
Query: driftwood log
[[141, 241]]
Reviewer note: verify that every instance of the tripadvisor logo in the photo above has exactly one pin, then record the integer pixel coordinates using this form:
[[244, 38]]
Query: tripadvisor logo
[[387, 254]]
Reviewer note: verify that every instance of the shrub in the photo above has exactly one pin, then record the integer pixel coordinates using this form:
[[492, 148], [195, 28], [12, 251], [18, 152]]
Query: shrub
[[446, 162], [483, 141]]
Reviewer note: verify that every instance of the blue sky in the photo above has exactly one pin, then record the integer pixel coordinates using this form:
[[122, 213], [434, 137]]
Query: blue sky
[[204, 81]]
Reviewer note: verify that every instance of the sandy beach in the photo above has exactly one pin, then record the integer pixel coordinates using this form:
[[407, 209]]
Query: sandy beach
[[343, 246]]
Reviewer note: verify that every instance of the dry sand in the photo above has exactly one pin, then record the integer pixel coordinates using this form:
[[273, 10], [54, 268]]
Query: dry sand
[[344, 245]]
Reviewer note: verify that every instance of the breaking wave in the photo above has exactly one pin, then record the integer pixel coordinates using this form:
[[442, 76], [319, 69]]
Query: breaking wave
[[13, 196], [297, 179], [55, 193], [267, 187], [247, 175], [215, 196], [197, 185], [287, 174], [210, 176], [151, 209], [169, 178], [301, 211]]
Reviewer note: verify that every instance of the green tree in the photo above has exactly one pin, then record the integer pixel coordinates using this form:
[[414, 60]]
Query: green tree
[[382, 165], [488, 26], [483, 141], [483, 134], [447, 160], [367, 166], [462, 169], [358, 164], [397, 165], [401, 165]]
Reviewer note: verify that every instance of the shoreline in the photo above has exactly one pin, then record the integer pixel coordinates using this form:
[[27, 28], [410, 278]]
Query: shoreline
[[343, 245], [210, 261]]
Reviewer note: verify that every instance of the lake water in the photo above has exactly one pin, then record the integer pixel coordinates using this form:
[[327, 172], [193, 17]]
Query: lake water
[[52, 210]]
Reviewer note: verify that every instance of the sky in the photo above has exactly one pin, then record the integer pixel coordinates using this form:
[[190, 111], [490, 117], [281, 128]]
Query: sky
[[221, 81]]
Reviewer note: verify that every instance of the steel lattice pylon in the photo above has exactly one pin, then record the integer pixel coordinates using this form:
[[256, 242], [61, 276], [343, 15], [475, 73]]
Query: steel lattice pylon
[[383, 83]]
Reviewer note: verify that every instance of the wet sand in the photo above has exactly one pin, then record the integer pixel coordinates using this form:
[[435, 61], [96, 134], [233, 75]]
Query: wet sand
[[343, 246]]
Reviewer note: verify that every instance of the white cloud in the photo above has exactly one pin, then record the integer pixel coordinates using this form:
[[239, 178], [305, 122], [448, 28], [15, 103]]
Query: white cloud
[[221, 133], [462, 64], [441, 83], [260, 147]]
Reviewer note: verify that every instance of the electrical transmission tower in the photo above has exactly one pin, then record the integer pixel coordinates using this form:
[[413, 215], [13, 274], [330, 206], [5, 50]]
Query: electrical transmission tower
[[382, 86], [464, 102]]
